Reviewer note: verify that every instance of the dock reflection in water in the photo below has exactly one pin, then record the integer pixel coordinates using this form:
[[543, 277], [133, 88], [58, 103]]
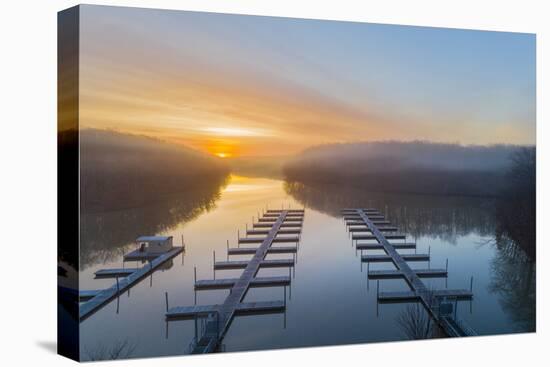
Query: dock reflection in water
[[331, 300]]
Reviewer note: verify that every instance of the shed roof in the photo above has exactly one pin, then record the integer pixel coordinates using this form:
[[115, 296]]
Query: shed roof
[[153, 238]]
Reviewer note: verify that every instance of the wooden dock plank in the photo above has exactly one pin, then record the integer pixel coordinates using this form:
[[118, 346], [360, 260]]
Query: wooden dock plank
[[288, 215], [183, 312], [137, 255], [288, 220], [357, 217], [264, 307], [229, 283], [366, 229], [278, 263], [105, 296], [232, 302], [361, 223], [355, 209], [419, 292], [293, 239], [410, 276], [257, 232], [390, 236], [284, 225], [222, 314], [377, 246], [410, 296], [286, 211], [271, 250], [388, 258], [395, 274], [242, 309], [114, 273], [85, 295]]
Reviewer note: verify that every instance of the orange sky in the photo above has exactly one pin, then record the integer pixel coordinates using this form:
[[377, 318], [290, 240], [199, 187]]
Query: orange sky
[[218, 116], [255, 86]]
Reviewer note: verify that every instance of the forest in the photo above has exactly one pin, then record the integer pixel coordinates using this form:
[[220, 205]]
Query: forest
[[121, 171], [406, 167]]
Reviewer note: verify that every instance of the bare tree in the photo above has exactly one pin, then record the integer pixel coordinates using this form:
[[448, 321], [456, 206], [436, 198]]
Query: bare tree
[[415, 322], [118, 350]]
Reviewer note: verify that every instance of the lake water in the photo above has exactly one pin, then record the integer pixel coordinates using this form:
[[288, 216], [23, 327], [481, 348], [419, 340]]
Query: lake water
[[330, 300]]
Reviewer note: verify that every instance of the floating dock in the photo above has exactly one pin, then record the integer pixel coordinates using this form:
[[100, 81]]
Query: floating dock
[[368, 220], [271, 250], [95, 300], [275, 240], [255, 282], [216, 319], [388, 258], [190, 312], [396, 274], [365, 229], [377, 246], [410, 296], [393, 236], [113, 273], [279, 263]]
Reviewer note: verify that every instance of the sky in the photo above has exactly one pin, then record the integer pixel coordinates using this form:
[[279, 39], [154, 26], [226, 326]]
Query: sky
[[237, 86]]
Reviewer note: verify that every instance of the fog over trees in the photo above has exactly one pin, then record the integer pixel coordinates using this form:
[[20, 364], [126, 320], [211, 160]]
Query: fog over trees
[[121, 171], [413, 167]]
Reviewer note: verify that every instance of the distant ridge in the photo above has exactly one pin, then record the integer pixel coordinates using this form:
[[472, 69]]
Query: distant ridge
[[122, 170], [412, 167]]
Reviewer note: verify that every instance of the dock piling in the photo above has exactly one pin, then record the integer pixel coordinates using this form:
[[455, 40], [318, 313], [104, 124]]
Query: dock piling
[[218, 317], [419, 291], [166, 298]]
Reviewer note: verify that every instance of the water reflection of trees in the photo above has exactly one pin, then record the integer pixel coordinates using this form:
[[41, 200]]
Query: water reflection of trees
[[445, 217], [512, 270], [133, 185], [105, 235], [122, 349], [516, 207], [415, 322], [514, 267], [514, 279]]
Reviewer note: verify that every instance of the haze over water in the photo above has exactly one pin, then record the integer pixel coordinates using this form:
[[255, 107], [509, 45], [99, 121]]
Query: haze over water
[[331, 301]]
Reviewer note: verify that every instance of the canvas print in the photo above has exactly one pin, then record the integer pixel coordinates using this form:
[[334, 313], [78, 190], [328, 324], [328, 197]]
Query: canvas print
[[235, 183]]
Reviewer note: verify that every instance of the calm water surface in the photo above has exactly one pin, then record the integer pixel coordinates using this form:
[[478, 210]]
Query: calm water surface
[[330, 300]]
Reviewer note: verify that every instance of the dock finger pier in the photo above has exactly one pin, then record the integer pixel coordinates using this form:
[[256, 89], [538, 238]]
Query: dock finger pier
[[274, 226]]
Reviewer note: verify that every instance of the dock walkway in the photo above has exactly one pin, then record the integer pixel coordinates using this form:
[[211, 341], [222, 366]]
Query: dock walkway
[[95, 300], [219, 317], [368, 221]]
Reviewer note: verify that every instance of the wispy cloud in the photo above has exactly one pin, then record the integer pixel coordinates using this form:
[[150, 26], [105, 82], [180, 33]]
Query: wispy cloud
[[242, 85]]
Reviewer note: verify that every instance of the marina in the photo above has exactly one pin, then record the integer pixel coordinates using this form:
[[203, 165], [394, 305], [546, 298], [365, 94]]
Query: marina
[[432, 300], [218, 318], [325, 271], [126, 278], [337, 183]]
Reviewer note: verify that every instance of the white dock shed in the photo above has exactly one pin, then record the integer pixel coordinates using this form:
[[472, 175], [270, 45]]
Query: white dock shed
[[154, 244]]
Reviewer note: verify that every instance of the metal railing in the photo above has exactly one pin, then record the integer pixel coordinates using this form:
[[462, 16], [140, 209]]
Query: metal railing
[[203, 329]]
